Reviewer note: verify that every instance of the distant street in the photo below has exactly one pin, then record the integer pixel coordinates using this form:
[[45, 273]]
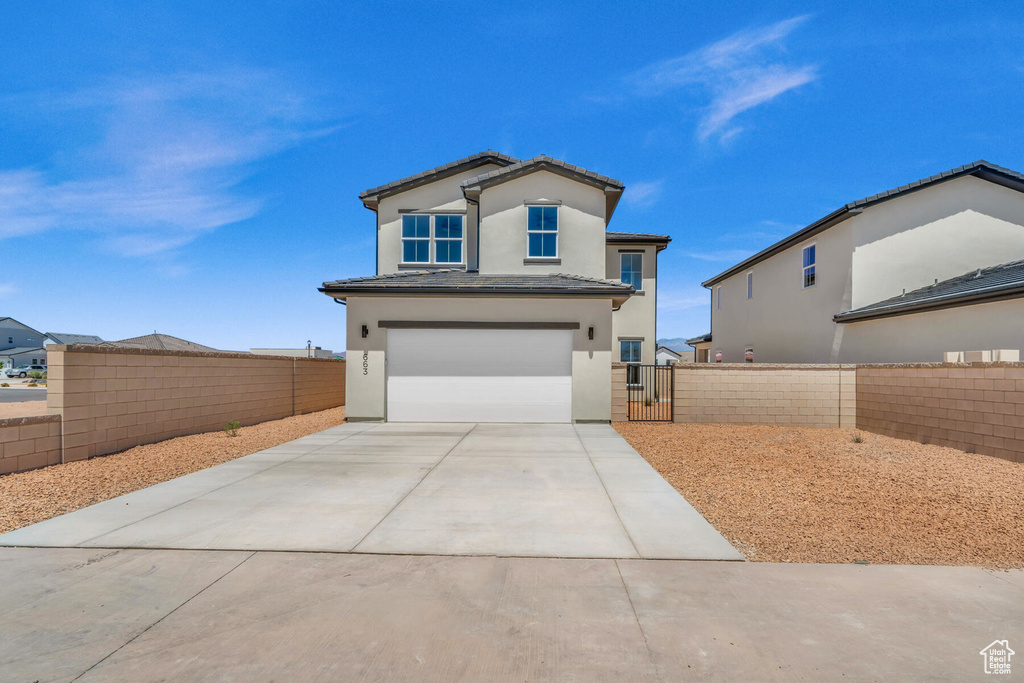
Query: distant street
[[9, 395]]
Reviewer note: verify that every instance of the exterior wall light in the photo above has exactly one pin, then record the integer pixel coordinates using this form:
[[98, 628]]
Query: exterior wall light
[[590, 333], [366, 331]]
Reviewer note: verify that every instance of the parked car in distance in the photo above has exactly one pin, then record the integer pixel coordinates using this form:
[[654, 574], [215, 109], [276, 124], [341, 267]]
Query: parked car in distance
[[23, 370]]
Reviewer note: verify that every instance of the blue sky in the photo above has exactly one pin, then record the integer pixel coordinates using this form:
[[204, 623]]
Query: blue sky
[[193, 168]]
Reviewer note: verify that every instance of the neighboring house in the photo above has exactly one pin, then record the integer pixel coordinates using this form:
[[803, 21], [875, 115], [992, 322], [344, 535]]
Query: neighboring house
[[667, 356], [65, 338], [499, 296], [701, 348], [161, 342], [305, 352], [901, 276], [20, 344]]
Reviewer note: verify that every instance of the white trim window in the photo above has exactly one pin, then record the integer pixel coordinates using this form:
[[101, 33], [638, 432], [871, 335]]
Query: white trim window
[[718, 297], [542, 232], [430, 239], [416, 238], [631, 270], [448, 238], [750, 286], [630, 351], [810, 258]]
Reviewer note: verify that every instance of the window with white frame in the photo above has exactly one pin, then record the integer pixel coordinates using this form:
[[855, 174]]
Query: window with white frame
[[750, 286], [631, 270], [629, 352], [432, 238], [810, 260], [542, 232], [718, 297]]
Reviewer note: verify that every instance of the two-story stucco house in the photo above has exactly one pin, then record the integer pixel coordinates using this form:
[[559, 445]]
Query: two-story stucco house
[[901, 276], [500, 295]]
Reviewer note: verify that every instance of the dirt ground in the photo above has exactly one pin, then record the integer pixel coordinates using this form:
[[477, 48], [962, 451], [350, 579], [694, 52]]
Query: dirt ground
[[30, 497], [785, 494], [22, 409]]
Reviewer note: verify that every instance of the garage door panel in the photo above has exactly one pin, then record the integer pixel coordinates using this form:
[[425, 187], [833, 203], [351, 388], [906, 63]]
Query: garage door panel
[[480, 399], [479, 375]]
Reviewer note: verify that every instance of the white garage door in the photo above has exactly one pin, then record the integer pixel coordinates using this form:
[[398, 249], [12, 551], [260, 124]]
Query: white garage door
[[479, 375]]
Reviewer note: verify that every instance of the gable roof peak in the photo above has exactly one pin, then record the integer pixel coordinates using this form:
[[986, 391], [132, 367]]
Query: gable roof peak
[[371, 196]]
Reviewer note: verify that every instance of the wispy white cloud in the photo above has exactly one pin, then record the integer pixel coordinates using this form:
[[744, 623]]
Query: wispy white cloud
[[7, 290], [740, 72], [721, 255], [170, 156], [682, 299], [643, 194]]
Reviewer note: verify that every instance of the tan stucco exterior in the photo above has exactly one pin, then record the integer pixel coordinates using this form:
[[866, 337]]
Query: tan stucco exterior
[[906, 242], [581, 226], [591, 359], [636, 318]]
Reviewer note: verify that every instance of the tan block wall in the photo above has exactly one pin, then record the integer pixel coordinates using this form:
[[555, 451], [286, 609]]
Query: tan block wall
[[618, 392], [112, 398], [977, 407], [29, 442], [803, 395]]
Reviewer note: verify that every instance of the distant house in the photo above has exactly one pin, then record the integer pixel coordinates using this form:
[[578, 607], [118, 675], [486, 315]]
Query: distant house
[[701, 348], [20, 344], [66, 338], [902, 276], [304, 352], [666, 356], [161, 342]]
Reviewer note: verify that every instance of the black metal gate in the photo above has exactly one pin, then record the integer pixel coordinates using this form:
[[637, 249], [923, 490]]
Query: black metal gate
[[649, 393]]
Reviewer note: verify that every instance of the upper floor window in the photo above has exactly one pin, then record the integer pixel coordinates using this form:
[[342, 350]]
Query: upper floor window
[[750, 285], [631, 270], [810, 259], [542, 232], [423, 235], [448, 239], [718, 297]]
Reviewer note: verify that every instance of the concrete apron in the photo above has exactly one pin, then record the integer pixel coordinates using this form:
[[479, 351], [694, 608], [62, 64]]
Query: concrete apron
[[141, 615], [431, 489]]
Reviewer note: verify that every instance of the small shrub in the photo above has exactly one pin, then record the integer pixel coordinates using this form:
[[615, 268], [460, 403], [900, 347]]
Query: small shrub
[[5, 384], [32, 384], [647, 401], [36, 374], [857, 438], [232, 428]]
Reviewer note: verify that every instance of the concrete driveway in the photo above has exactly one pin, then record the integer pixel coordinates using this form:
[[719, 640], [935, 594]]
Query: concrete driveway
[[439, 489]]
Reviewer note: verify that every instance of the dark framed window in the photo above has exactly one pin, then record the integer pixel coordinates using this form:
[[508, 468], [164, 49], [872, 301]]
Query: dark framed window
[[542, 232], [631, 268], [810, 261]]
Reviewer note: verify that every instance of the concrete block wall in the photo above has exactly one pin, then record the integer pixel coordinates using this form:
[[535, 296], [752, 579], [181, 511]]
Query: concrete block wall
[[976, 407], [618, 392], [113, 398], [801, 395], [29, 442]]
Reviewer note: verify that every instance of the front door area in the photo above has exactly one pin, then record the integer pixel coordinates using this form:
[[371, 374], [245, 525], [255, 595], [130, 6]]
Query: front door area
[[479, 375]]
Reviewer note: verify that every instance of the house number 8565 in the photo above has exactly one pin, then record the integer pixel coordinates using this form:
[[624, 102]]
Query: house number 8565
[[366, 362]]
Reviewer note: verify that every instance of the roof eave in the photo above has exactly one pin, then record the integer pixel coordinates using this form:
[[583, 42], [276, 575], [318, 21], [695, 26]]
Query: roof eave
[[821, 225], [1000, 294]]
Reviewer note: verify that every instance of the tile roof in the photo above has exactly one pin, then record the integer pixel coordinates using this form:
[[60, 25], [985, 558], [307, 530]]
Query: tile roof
[[65, 338], [16, 350], [462, 282], [542, 161], [700, 339], [985, 284], [980, 169], [611, 236], [163, 342], [478, 159]]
